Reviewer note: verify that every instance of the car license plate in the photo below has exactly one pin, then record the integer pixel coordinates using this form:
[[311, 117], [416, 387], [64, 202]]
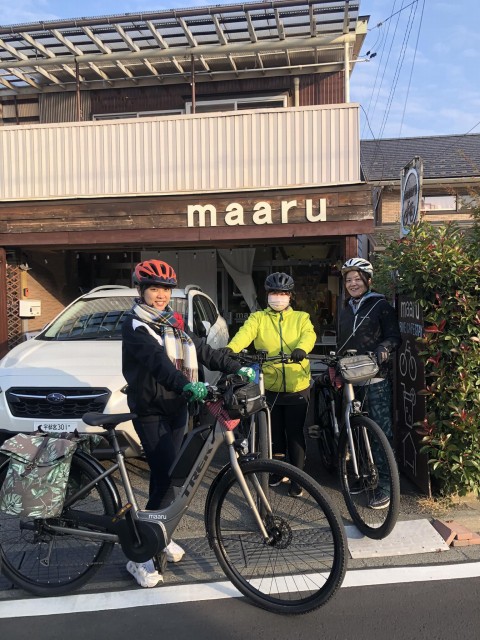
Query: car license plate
[[54, 426]]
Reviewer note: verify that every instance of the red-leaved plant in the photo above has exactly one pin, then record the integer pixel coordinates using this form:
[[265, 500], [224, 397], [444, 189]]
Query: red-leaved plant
[[440, 268]]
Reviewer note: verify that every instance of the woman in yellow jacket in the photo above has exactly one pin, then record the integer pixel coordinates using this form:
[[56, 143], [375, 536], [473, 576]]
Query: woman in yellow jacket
[[280, 329]]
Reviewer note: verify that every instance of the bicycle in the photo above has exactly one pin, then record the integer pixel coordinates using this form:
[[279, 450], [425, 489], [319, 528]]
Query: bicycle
[[348, 440], [257, 428], [290, 560]]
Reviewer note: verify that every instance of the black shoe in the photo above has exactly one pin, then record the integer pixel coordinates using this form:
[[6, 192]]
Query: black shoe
[[295, 490], [379, 500], [276, 480]]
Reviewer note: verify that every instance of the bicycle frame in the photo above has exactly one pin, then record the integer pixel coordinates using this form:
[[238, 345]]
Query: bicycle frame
[[348, 409], [169, 517]]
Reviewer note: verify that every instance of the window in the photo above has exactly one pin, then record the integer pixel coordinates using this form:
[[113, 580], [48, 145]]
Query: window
[[203, 311], [135, 114], [448, 203], [238, 104], [210, 310]]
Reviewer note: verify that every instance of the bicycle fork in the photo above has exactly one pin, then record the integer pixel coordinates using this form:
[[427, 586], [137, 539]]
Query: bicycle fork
[[230, 439], [349, 396]]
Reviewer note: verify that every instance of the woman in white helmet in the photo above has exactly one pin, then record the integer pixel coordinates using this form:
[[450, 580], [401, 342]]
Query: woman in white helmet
[[368, 323]]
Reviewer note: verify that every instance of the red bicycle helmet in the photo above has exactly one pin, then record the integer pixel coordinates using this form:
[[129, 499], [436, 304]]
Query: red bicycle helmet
[[154, 272]]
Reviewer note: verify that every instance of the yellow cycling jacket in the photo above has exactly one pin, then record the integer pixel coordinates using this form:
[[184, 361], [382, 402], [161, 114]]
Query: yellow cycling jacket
[[279, 331]]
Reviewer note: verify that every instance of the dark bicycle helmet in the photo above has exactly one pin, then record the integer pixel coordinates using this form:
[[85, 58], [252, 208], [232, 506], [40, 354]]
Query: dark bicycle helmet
[[152, 272], [358, 264], [279, 282]]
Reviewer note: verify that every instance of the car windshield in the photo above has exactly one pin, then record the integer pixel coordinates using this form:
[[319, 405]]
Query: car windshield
[[90, 318], [97, 319]]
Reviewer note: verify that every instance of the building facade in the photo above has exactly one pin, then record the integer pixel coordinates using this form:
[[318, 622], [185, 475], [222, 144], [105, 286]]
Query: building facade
[[221, 139]]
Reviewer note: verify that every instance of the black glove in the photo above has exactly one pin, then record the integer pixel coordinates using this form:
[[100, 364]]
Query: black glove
[[226, 351], [298, 355], [382, 354]]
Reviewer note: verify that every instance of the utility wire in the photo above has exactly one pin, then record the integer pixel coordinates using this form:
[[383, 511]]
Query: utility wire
[[386, 64], [411, 69], [398, 67], [393, 14]]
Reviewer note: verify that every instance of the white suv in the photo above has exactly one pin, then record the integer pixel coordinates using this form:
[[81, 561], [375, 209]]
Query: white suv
[[74, 364]]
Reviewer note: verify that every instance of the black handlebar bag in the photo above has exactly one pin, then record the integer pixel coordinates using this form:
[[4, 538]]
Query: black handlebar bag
[[243, 399]]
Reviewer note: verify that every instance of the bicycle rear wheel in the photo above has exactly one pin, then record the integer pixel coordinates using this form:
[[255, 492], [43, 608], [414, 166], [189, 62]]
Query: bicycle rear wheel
[[372, 497], [325, 439], [49, 563], [303, 563]]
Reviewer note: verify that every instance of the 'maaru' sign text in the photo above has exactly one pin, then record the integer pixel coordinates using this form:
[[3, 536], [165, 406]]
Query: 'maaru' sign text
[[261, 213]]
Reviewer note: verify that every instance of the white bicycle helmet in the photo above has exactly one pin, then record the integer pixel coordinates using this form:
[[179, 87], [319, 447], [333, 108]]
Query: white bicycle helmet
[[358, 264]]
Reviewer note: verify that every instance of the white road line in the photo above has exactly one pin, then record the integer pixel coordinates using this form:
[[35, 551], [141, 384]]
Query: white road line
[[217, 590]]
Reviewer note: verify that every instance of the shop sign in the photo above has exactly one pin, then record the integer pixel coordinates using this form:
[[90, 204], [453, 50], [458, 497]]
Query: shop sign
[[235, 214], [410, 405], [410, 198]]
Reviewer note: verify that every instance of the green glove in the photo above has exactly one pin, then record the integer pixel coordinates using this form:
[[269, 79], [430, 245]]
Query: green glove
[[195, 391], [248, 373]]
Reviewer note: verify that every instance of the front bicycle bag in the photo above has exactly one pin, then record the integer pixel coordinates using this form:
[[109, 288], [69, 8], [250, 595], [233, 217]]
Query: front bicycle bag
[[243, 399], [357, 369], [36, 481]]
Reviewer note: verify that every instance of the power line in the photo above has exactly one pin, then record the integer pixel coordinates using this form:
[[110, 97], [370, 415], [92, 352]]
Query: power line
[[399, 66], [411, 70], [380, 24], [470, 130]]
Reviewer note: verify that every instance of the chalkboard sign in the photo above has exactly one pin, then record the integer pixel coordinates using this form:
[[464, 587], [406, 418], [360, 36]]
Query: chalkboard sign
[[410, 406]]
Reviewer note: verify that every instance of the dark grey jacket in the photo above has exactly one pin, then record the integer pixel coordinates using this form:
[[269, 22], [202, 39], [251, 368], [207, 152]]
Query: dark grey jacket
[[373, 324]]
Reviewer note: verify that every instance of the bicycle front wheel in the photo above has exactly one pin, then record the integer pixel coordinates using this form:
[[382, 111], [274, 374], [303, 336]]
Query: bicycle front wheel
[[49, 563], [373, 496], [302, 563]]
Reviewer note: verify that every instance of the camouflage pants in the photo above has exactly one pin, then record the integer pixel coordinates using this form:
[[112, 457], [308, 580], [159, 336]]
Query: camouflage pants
[[378, 403]]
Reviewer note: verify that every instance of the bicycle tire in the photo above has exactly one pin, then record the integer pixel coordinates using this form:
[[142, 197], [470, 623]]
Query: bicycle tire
[[381, 478], [71, 561], [325, 441], [305, 562]]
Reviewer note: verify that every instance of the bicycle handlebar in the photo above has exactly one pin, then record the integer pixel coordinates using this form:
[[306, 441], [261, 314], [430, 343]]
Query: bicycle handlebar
[[261, 357]]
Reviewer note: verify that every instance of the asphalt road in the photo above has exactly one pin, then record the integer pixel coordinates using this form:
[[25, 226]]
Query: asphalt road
[[435, 610]]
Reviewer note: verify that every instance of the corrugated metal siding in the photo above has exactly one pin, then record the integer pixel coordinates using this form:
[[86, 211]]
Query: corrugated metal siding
[[231, 151], [322, 89], [62, 107]]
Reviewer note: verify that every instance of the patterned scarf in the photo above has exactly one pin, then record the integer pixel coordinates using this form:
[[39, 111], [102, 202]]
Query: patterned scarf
[[178, 345]]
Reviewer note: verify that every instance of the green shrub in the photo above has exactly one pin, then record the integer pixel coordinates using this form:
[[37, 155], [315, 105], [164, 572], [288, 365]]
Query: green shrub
[[440, 268]]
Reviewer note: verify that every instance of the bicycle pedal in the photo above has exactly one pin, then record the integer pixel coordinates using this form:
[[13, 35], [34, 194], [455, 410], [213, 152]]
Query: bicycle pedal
[[160, 562], [121, 512], [314, 431]]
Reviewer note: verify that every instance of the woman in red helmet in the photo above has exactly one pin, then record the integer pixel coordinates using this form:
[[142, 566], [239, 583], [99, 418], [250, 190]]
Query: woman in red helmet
[[160, 360]]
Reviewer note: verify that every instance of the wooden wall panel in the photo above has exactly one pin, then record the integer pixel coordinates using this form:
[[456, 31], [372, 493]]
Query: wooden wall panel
[[43, 221]]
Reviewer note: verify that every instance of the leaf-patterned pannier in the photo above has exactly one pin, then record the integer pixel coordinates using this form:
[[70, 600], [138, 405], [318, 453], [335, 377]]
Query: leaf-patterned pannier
[[37, 476]]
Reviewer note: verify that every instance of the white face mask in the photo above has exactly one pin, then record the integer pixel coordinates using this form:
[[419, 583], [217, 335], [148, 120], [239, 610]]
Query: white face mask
[[278, 303]]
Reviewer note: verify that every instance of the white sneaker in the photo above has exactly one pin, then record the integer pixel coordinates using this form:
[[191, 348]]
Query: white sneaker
[[145, 573], [174, 552]]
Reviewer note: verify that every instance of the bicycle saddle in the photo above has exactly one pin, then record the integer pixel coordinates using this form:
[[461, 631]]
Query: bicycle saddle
[[95, 419]]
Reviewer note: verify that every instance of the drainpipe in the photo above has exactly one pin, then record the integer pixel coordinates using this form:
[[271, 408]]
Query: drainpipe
[[347, 71], [192, 72], [296, 91], [78, 103]]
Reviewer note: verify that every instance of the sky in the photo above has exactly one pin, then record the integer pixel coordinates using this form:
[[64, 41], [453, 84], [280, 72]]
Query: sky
[[423, 79]]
